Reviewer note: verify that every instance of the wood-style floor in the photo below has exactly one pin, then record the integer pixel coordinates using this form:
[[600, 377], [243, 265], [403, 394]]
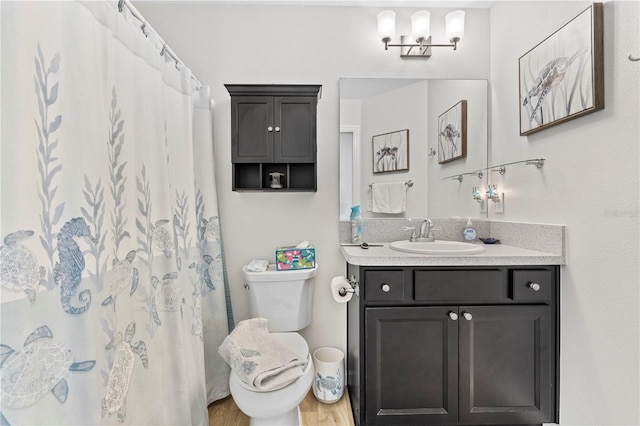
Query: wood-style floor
[[313, 413]]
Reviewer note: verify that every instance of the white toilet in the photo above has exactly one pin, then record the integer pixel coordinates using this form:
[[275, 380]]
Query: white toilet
[[285, 299]]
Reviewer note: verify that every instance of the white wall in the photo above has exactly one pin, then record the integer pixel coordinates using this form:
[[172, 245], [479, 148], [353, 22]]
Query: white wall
[[398, 109], [249, 43], [454, 197], [351, 124], [590, 183], [347, 141]]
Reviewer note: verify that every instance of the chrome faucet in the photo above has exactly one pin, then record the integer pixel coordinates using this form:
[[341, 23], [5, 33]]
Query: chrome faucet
[[426, 228], [424, 234]]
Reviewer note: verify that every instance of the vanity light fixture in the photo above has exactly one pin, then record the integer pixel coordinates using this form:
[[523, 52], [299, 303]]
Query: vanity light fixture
[[419, 43], [492, 193]]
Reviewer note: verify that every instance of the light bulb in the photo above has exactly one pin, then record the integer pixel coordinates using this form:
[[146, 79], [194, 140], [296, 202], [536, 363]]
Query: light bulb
[[387, 24], [454, 22], [420, 25]]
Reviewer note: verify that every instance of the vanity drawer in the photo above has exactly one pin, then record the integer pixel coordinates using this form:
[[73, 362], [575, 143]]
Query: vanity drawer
[[384, 286], [459, 285], [532, 285]]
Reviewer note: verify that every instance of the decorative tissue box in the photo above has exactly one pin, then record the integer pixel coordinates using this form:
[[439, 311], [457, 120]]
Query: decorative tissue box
[[288, 258]]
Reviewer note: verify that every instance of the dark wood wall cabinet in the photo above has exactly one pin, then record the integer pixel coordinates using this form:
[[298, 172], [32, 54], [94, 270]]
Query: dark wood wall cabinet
[[273, 129], [454, 345]]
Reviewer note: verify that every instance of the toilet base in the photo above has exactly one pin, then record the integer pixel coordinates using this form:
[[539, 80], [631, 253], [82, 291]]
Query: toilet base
[[290, 418]]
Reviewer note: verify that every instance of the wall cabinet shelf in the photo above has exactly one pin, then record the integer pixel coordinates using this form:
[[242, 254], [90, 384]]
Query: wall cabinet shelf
[[273, 129], [454, 346], [255, 176]]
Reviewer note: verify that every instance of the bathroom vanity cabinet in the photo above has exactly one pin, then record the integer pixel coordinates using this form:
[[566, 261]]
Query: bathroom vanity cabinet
[[273, 129], [454, 345]]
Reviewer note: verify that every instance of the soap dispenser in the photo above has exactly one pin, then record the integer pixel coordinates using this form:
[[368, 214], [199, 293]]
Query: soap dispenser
[[469, 233]]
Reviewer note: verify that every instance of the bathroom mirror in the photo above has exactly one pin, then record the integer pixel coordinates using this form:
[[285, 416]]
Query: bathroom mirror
[[371, 107]]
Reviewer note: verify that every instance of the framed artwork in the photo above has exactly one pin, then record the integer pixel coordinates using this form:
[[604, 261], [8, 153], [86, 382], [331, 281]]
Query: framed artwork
[[562, 78], [452, 133], [391, 151]]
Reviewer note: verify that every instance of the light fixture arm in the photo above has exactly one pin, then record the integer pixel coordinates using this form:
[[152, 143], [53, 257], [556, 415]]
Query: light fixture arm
[[421, 44]]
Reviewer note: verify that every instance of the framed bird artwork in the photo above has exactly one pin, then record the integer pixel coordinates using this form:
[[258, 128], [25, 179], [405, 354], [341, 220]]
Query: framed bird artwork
[[562, 78], [391, 152]]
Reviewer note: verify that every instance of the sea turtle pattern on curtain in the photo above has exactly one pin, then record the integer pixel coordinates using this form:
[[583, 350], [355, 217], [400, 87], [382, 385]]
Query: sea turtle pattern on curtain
[[122, 265]]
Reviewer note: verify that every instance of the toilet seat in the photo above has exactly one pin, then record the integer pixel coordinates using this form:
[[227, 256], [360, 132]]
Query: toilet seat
[[294, 342]]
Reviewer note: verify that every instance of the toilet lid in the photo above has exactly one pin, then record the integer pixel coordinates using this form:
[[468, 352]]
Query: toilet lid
[[294, 341]]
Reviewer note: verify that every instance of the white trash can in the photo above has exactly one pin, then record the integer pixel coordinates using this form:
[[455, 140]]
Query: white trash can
[[328, 386]]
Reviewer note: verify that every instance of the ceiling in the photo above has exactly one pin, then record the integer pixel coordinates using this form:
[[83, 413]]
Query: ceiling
[[464, 4]]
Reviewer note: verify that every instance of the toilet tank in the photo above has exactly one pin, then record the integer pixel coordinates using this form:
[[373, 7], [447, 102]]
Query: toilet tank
[[284, 298]]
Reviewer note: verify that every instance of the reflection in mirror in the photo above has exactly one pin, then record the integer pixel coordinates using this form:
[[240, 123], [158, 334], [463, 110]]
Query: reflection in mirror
[[375, 106]]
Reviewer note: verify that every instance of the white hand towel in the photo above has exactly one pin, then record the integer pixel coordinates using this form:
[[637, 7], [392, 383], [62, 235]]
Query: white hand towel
[[389, 197]]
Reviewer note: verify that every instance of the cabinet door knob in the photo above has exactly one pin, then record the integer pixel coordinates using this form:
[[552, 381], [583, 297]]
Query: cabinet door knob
[[270, 129], [277, 129], [386, 287], [534, 286], [467, 316], [453, 316]]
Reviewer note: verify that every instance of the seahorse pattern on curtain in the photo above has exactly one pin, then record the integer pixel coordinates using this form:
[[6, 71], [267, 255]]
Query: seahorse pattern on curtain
[[113, 289]]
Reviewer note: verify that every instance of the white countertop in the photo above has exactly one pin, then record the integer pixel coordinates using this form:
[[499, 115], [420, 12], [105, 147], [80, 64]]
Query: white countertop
[[495, 254]]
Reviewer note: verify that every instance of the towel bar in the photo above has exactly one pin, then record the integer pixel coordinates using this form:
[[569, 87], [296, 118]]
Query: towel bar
[[409, 184]]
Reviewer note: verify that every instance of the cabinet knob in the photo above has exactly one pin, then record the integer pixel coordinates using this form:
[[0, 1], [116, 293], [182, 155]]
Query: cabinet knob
[[453, 316], [534, 286], [270, 129], [467, 316], [277, 129], [386, 287]]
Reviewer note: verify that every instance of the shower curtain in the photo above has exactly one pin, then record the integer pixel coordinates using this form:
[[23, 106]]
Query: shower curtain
[[114, 297]]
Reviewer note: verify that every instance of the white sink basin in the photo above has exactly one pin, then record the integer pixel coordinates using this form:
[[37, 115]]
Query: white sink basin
[[438, 247]]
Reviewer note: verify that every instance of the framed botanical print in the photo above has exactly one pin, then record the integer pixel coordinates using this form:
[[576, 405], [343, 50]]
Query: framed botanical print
[[452, 133]]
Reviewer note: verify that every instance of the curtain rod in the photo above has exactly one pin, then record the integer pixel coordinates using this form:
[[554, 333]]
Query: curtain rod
[[146, 28]]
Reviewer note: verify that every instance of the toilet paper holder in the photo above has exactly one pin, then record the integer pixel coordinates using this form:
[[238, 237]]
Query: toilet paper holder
[[355, 287]]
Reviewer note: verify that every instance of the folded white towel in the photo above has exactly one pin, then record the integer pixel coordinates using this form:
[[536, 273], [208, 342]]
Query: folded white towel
[[258, 359], [258, 265], [389, 197]]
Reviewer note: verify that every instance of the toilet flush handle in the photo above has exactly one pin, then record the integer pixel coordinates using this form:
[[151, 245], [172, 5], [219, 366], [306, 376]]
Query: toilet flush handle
[[246, 285]]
